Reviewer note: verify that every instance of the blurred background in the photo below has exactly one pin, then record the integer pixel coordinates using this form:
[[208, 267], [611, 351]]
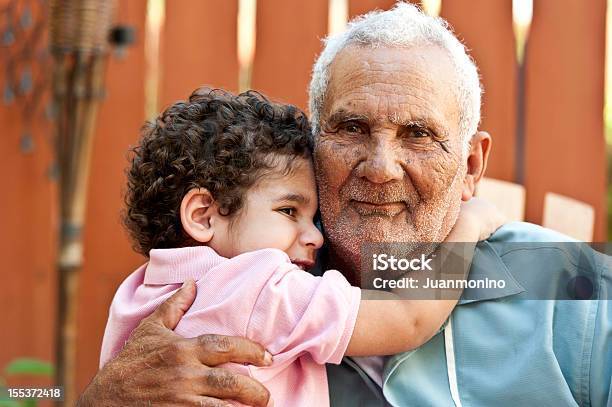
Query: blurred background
[[543, 67]]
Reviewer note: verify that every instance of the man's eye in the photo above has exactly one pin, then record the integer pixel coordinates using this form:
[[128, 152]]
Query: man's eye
[[288, 211], [417, 132], [351, 127]]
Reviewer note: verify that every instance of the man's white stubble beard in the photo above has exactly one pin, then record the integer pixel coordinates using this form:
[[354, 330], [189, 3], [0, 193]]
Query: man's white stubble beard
[[346, 242]]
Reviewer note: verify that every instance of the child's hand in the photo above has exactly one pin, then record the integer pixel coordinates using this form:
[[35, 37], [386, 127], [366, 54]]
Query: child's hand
[[481, 214]]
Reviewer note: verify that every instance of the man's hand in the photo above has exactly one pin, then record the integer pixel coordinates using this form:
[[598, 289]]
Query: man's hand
[[483, 215], [158, 367]]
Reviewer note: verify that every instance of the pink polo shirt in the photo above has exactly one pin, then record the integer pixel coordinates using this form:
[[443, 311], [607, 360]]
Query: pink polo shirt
[[303, 320]]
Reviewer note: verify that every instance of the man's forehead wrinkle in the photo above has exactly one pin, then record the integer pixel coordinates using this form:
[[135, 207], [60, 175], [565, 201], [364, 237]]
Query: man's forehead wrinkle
[[347, 74], [385, 104], [383, 98]]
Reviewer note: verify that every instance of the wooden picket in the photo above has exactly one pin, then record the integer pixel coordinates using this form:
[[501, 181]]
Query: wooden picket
[[27, 219], [486, 30], [564, 141], [198, 47], [288, 40]]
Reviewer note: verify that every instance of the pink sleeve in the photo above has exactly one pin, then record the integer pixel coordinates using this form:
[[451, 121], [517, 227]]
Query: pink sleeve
[[297, 312]]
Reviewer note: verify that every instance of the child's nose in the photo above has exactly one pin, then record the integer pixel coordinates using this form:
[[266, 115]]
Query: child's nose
[[312, 237]]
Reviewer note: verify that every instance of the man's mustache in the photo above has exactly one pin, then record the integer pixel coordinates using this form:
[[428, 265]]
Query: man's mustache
[[379, 194]]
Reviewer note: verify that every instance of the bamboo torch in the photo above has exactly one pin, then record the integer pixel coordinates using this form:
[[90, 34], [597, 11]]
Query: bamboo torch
[[78, 36]]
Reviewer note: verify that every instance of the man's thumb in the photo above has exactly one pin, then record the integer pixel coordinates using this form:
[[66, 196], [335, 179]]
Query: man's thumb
[[170, 312]]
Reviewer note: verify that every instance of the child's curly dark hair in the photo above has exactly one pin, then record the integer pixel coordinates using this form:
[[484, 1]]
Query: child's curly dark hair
[[215, 140]]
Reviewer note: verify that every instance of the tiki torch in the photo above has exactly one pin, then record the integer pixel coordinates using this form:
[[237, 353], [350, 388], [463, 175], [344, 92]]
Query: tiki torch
[[78, 38]]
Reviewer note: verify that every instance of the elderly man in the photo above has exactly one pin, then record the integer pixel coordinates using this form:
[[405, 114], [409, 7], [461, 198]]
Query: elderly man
[[395, 103]]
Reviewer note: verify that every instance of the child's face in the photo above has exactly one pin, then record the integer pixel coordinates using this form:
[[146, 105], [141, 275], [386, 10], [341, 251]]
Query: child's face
[[278, 213]]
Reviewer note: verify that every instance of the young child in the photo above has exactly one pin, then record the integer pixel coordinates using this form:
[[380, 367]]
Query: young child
[[221, 190]]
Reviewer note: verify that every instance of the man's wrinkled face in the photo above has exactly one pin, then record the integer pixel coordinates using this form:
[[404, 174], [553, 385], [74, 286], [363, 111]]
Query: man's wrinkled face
[[389, 154]]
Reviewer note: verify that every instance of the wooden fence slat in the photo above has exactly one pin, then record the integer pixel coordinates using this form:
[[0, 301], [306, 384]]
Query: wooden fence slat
[[198, 47], [569, 216], [108, 257], [565, 145], [27, 243], [28, 221], [485, 27], [288, 39], [508, 197]]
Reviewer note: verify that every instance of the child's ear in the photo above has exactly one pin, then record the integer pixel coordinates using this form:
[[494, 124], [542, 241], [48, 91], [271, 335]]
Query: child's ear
[[197, 209]]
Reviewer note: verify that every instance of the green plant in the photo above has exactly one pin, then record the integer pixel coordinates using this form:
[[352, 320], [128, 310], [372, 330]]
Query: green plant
[[19, 367]]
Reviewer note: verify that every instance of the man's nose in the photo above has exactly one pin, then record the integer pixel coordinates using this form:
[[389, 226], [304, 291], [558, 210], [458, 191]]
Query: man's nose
[[312, 237], [382, 164]]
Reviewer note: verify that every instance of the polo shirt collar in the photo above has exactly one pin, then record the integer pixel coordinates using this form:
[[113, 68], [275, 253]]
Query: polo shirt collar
[[487, 264], [175, 266]]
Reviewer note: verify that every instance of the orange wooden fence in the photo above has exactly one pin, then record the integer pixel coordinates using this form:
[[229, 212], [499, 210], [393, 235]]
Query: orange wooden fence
[[564, 141]]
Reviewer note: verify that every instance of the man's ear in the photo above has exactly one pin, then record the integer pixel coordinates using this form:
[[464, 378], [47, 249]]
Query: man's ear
[[197, 210], [477, 158]]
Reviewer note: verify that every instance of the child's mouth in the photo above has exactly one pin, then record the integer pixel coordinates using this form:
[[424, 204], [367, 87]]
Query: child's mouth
[[304, 264]]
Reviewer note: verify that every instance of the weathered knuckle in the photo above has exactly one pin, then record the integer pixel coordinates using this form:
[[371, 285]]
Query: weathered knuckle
[[222, 379], [216, 343]]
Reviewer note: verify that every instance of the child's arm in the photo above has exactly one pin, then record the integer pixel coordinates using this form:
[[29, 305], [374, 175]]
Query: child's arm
[[394, 325]]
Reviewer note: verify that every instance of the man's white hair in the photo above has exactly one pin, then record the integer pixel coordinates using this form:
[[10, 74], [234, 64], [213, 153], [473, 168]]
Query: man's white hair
[[402, 26]]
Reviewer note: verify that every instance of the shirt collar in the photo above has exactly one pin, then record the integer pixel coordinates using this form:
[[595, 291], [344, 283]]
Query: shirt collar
[[487, 264], [175, 266]]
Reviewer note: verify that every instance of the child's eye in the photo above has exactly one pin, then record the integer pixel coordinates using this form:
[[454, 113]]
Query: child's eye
[[288, 211]]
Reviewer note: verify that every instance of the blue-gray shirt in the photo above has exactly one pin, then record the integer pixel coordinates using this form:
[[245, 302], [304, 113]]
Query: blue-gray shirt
[[503, 347]]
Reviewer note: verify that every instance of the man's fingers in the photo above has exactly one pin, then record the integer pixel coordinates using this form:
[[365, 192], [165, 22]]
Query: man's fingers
[[214, 350], [225, 384], [170, 312]]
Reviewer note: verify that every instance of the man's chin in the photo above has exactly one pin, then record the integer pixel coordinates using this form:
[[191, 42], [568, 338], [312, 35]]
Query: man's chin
[[350, 238], [377, 228]]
